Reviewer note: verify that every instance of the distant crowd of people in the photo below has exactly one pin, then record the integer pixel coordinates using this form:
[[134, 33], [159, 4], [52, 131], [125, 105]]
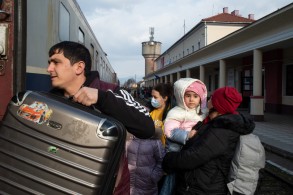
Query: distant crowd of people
[[140, 92]]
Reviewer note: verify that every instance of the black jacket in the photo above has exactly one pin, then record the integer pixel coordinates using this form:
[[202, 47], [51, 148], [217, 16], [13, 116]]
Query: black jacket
[[120, 105], [203, 164]]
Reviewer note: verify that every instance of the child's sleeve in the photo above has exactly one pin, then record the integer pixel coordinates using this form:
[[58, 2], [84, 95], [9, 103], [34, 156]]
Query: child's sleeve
[[169, 125], [173, 131]]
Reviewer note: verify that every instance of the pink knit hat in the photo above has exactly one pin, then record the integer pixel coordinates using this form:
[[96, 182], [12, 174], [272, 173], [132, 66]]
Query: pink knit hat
[[200, 89]]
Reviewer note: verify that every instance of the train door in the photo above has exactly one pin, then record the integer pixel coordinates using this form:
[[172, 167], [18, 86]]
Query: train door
[[12, 42]]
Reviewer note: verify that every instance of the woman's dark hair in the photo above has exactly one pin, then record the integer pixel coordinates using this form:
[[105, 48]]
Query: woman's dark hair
[[73, 51], [212, 110], [165, 90]]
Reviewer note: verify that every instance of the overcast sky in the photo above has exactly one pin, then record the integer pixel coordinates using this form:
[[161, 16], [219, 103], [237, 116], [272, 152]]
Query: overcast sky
[[122, 25]]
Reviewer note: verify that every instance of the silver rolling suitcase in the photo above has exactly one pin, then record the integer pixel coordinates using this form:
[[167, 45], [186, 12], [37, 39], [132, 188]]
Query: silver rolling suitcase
[[50, 145]]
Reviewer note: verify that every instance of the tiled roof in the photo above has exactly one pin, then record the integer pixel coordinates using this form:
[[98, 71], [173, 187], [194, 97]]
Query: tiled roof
[[226, 17]]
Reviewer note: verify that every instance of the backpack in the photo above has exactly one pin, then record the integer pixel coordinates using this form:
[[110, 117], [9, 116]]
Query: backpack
[[249, 158]]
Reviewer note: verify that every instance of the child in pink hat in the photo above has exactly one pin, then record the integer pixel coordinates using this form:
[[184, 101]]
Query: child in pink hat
[[191, 99]]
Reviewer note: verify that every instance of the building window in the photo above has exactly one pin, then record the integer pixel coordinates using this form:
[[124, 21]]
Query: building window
[[80, 36], [216, 81], [247, 83], [187, 51], [64, 23], [198, 45], [192, 48], [289, 80]]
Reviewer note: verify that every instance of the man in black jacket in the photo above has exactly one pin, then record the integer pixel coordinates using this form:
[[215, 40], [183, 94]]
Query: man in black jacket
[[69, 66]]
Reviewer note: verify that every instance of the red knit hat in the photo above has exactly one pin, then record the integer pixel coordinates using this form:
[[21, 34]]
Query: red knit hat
[[226, 100]]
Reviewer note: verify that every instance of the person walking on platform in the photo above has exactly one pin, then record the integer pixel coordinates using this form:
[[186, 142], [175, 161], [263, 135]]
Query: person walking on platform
[[69, 66], [202, 166]]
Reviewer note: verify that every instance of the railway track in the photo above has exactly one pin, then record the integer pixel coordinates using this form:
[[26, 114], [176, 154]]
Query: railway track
[[277, 176]]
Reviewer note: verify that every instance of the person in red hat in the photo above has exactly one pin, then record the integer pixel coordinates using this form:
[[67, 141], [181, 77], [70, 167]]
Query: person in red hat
[[226, 100], [203, 163]]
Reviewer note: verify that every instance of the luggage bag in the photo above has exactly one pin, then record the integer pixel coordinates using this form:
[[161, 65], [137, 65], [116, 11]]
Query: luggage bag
[[50, 145]]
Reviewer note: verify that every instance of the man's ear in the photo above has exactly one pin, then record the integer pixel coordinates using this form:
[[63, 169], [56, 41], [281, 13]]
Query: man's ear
[[80, 67]]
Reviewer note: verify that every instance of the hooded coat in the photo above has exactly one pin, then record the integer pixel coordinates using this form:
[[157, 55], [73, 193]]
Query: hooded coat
[[145, 158], [203, 163], [181, 119]]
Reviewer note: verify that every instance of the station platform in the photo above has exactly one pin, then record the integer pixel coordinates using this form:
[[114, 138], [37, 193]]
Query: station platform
[[276, 135], [276, 132]]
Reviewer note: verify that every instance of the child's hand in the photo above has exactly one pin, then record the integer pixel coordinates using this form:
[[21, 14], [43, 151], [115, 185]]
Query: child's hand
[[192, 133]]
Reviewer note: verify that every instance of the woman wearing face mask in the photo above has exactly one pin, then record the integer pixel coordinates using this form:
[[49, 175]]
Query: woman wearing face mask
[[161, 103], [145, 155]]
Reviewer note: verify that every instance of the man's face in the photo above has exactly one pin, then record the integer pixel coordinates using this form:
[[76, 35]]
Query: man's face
[[61, 71]]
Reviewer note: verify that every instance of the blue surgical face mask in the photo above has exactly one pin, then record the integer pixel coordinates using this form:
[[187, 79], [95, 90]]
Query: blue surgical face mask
[[155, 103]]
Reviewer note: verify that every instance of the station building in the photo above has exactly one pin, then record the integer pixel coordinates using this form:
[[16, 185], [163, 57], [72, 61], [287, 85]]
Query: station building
[[255, 56]]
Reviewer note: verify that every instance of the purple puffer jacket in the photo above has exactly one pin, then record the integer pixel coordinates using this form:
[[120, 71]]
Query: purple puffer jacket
[[144, 162]]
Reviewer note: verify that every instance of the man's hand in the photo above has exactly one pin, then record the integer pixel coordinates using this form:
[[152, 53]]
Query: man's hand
[[86, 96]]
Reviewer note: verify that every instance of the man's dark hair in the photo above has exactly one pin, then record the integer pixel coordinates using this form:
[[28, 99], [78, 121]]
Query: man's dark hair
[[75, 52]]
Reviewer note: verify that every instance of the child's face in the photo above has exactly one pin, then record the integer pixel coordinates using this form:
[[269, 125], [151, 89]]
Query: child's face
[[191, 99]]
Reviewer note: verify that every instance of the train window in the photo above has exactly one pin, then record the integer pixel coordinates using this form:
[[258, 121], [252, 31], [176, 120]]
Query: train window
[[97, 60], [80, 36], [92, 50], [63, 23]]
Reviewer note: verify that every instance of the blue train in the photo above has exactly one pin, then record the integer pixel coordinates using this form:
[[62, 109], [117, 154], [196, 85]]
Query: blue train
[[28, 28]]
